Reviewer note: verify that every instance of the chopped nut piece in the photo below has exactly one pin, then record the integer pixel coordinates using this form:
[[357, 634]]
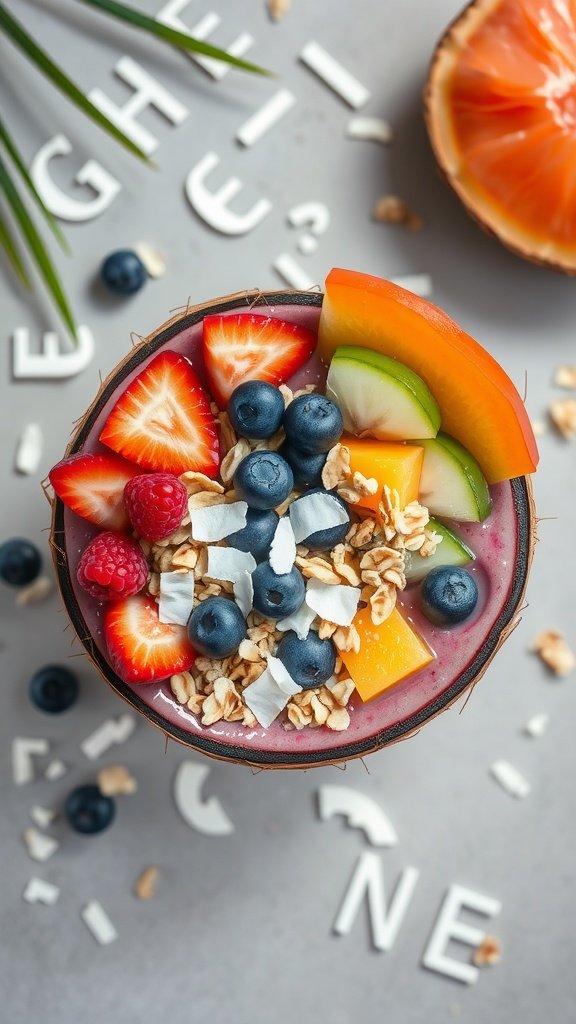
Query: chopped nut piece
[[382, 603], [183, 686], [347, 638], [348, 494], [554, 652], [249, 651], [195, 482], [278, 8], [393, 210], [565, 377], [338, 719], [364, 486], [563, 415], [361, 534], [488, 953], [145, 885], [116, 780], [185, 557], [326, 629], [336, 469], [317, 568]]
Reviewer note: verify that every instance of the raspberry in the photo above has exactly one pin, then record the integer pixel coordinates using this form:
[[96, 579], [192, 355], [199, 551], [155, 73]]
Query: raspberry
[[112, 567], [156, 503]]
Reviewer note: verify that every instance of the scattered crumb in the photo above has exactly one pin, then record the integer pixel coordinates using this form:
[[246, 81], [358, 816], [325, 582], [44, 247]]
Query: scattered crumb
[[537, 725], [35, 592], [145, 885], [278, 8], [23, 749], [97, 921], [39, 845], [369, 129], [552, 648], [538, 427], [55, 770], [42, 816], [40, 891], [393, 210], [562, 412], [488, 953], [116, 780], [565, 377], [510, 779]]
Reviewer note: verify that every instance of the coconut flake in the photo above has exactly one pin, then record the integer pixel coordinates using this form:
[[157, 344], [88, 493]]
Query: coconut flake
[[97, 921], [106, 735], [369, 129], [34, 592], [205, 815], [39, 891], [244, 593], [283, 549], [300, 621], [23, 749], [176, 597], [55, 770], [42, 816], [281, 676], [510, 779], [39, 845], [29, 449], [537, 725], [314, 512], [153, 260], [229, 564], [359, 810], [333, 602], [266, 699], [334, 75], [215, 522]]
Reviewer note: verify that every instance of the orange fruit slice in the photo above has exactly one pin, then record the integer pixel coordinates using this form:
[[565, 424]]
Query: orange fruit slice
[[501, 115]]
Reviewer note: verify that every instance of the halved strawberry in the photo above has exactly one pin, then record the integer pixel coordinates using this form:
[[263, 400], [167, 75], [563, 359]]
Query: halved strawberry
[[163, 420], [142, 649], [93, 487], [249, 347]]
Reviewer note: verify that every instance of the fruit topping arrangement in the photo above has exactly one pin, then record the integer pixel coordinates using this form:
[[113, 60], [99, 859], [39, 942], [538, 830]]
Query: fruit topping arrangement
[[254, 543]]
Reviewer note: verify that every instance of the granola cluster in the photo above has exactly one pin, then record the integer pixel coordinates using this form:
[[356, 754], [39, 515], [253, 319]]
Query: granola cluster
[[372, 558]]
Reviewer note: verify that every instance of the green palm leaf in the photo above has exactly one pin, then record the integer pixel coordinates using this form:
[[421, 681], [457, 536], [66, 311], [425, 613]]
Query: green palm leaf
[[10, 146], [36, 246], [170, 35], [9, 245], [20, 37]]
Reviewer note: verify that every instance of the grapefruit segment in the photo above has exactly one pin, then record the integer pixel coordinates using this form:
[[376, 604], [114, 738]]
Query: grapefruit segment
[[501, 114], [478, 402]]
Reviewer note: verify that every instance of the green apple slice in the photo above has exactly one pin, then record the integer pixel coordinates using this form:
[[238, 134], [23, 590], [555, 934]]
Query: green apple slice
[[452, 484], [450, 551], [380, 397]]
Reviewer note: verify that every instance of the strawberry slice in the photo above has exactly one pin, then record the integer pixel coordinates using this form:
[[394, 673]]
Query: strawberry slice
[[93, 487], [163, 420], [142, 649], [249, 347]]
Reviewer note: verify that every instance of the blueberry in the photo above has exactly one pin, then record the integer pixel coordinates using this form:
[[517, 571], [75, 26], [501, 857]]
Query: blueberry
[[310, 662], [88, 810], [20, 562], [216, 627], [306, 467], [449, 594], [256, 536], [277, 596], [325, 540], [313, 423], [53, 689], [256, 409], [123, 272], [263, 479]]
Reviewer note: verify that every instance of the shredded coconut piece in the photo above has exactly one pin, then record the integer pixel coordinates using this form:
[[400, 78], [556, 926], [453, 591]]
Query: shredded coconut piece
[[266, 699], [565, 377], [153, 260], [510, 779], [34, 592], [335, 603], [22, 751], [283, 549], [244, 593], [38, 890], [176, 597], [42, 816], [55, 770], [39, 845], [369, 129], [281, 676], [216, 522], [97, 921], [314, 512], [299, 621], [106, 735], [537, 725], [229, 564], [29, 449], [554, 652]]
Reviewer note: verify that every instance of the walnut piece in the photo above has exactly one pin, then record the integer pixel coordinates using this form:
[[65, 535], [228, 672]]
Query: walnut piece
[[393, 210], [552, 648], [116, 780]]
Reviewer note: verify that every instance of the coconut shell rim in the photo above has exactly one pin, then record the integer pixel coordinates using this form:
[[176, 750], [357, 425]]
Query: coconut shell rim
[[260, 759]]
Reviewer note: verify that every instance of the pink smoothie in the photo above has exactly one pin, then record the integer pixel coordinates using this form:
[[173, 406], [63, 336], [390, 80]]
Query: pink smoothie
[[494, 542]]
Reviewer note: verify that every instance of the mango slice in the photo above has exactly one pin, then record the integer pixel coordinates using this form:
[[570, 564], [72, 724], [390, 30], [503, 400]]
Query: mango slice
[[388, 654], [389, 462]]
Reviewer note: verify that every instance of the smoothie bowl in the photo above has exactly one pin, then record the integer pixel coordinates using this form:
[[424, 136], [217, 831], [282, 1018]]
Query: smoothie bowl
[[293, 527]]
